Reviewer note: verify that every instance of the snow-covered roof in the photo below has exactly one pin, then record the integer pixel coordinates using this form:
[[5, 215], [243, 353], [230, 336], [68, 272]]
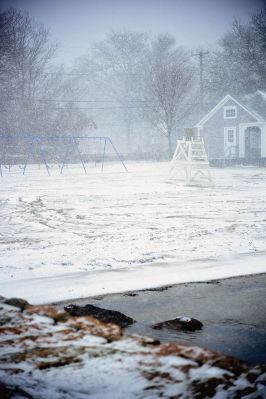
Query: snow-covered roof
[[221, 104]]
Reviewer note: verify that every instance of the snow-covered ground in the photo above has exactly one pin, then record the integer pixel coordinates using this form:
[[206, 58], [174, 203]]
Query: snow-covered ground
[[75, 235]]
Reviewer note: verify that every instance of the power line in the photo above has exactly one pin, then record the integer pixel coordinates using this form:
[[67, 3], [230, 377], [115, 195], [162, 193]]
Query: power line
[[88, 101], [67, 73], [101, 108], [77, 101], [133, 104]]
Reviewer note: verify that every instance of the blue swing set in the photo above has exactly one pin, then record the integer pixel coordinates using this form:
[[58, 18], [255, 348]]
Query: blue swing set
[[67, 143]]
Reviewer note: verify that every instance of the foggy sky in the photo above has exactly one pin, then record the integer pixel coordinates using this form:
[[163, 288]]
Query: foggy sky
[[75, 24]]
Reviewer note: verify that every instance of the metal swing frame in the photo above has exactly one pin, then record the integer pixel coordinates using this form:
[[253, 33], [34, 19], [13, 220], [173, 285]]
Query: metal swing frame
[[35, 141]]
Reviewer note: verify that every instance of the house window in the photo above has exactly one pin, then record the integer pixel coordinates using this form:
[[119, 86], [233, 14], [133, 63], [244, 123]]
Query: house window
[[230, 112], [230, 136]]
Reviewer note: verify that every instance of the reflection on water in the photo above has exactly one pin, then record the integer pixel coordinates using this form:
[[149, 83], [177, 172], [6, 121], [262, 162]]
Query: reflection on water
[[239, 340]]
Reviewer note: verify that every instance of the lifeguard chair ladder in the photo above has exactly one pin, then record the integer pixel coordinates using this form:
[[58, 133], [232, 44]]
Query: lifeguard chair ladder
[[190, 162]]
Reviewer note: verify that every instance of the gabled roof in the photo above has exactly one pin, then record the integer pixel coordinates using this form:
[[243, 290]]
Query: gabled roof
[[220, 105]]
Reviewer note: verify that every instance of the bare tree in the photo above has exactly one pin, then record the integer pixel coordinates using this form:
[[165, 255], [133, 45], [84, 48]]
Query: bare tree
[[35, 96], [25, 54], [112, 69], [169, 82], [238, 65], [152, 81]]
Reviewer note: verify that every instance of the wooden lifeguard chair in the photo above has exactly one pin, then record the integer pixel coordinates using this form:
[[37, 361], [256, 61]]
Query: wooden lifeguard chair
[[190, 163]]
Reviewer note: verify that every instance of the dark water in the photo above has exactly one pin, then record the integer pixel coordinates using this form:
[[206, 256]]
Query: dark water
[[247, 343], [233, 313]]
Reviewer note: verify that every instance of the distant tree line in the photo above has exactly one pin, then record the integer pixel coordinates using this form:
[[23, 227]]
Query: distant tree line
[[238, 64], [31, 86], [135, 76]]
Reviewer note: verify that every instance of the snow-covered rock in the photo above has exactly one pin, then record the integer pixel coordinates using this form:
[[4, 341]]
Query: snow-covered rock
[[180, 323]]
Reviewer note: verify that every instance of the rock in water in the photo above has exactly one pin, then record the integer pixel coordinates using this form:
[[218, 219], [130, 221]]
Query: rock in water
[[105, 315], [180, 323], [18, 303]]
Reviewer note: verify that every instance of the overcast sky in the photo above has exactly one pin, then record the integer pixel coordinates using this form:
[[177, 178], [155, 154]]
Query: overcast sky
[[75, 24]]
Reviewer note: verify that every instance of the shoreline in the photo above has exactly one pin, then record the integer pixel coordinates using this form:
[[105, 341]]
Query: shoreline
[[232, 311], [90, 283], [156, 289]]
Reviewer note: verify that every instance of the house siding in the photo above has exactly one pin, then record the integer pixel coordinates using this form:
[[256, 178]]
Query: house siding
[[213, 130]]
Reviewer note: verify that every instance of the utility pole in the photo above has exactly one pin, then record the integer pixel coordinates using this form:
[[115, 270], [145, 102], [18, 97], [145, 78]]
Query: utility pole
[[200, 54]]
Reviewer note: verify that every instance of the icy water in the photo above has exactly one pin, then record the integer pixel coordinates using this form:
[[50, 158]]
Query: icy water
[[232, 312], [239, 340]]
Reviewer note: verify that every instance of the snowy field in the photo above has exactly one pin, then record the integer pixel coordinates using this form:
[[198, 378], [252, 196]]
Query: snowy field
[[75, 235]]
